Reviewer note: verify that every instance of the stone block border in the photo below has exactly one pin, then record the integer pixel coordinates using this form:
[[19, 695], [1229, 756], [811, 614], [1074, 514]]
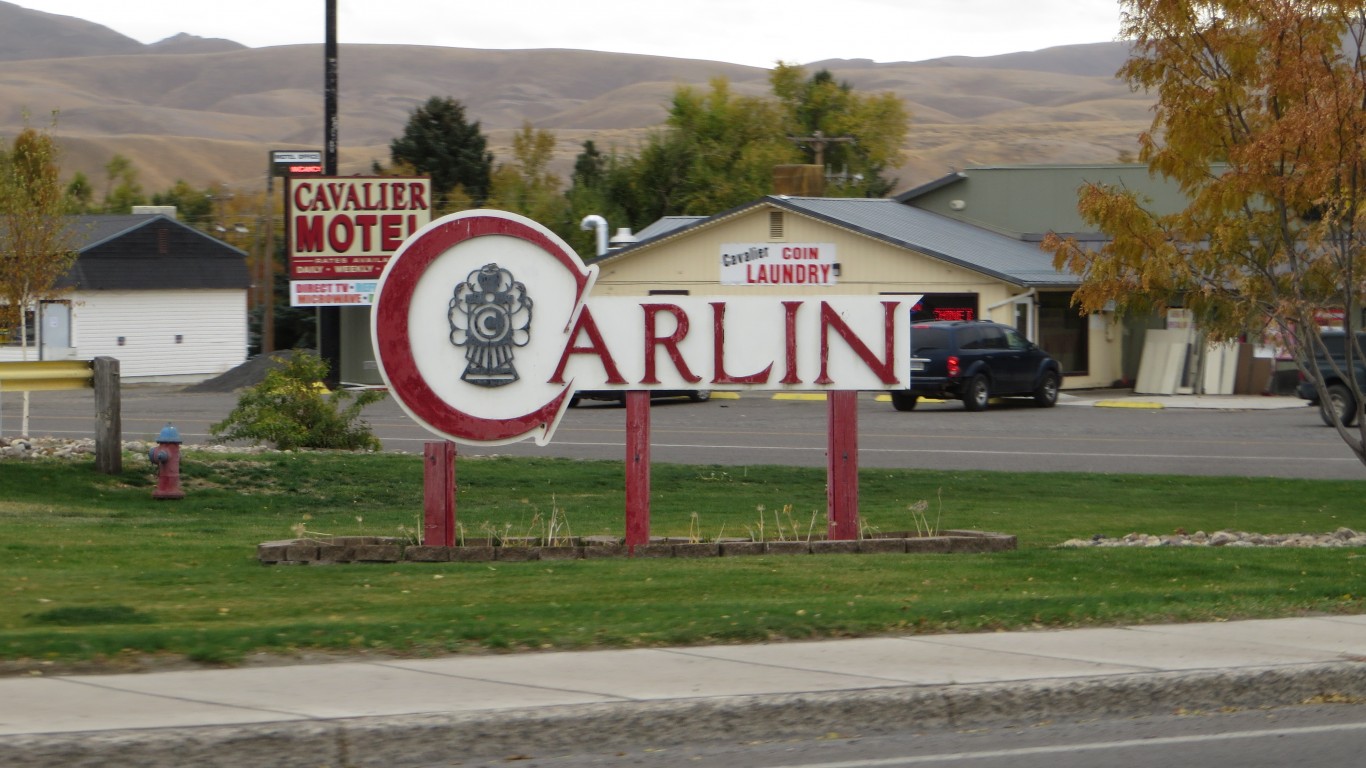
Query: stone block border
[[380, 549]]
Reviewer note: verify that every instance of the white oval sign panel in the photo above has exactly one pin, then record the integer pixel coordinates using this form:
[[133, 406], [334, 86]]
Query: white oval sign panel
[[464, 344]]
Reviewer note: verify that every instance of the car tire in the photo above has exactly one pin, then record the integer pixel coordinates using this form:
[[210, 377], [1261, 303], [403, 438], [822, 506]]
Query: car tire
[[1339, 398], [976, 393], [904, 401], [1046, 395], [699, 395]]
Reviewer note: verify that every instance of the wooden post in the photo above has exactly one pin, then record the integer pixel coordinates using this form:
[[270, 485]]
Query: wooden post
[[637, 469], [108, 416], [438, 494], [842, 465]]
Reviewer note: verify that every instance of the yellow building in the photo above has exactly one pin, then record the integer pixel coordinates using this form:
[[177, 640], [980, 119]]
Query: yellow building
[[799, 246]]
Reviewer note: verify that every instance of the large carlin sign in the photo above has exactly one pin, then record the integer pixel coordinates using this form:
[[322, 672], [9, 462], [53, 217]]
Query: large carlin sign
[[485, 326]]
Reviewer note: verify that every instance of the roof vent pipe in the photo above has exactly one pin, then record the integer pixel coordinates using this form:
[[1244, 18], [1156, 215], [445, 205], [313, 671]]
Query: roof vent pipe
[[622, 238], [594, 221]]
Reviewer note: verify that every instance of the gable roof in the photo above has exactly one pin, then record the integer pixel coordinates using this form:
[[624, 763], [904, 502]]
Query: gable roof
[[667, 224], [149, 251], [1003, 258], [930, 186], [1025, 201]]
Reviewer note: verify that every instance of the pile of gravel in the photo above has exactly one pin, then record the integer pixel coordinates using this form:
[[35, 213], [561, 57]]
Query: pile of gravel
[[1342, 537], [248, 374]]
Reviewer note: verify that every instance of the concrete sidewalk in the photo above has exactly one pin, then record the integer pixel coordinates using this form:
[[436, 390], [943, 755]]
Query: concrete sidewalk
[[432, 711], [1129, 399]]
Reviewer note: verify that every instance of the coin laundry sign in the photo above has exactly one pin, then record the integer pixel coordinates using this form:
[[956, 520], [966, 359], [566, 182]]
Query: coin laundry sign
[[778, 264], [485, 326]]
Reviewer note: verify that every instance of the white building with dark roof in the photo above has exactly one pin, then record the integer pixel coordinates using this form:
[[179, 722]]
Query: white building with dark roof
[[168, 301]]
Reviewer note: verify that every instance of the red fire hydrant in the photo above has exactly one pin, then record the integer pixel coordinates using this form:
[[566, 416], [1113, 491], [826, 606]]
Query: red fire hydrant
[[167, 458]]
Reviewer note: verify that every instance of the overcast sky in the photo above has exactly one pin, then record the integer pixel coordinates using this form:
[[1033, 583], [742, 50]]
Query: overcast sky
[[755, 32]]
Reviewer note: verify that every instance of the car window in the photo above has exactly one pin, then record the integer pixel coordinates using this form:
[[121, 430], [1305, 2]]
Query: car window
[[1336, 343], [926, 340], [992, 338], [1015, 341], [969, 338]]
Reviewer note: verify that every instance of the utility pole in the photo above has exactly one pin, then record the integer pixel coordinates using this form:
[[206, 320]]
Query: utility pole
[[268, 263], [329, 318], [818, 140]]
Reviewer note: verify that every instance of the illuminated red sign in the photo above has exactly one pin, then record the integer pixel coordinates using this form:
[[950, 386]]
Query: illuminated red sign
[[954, 313]]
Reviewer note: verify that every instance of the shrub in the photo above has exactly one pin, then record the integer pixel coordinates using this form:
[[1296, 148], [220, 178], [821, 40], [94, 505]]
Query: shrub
[[291, 409]]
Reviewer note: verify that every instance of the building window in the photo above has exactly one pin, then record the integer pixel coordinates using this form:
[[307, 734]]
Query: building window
[[1063, 333], [775, 225], [14, 336], [945, 306]]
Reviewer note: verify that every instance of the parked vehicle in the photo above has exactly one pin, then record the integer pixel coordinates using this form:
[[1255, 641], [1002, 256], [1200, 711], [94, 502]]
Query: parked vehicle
[[618, 396], [1340, 395], [975, 361]]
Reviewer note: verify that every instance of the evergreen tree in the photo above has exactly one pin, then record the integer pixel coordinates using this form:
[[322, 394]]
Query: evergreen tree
[[439, 141]]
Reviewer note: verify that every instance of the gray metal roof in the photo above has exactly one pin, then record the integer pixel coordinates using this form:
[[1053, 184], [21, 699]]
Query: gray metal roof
[[930, 186], [980, 250], [666, 225], [956, 242], [940, 237]]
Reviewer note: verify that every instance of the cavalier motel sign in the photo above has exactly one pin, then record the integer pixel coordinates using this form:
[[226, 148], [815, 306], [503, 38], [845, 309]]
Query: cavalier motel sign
[[485, 324]]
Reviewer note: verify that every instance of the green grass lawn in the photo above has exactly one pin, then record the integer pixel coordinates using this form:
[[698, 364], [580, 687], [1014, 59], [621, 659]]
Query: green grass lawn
[[93, 568]]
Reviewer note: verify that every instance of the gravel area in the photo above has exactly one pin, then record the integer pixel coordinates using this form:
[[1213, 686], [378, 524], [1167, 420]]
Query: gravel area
[[1342, 537], [59, 448]]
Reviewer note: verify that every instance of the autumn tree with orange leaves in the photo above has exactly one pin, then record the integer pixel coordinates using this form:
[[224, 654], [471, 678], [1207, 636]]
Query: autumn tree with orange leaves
[[35, 243], [1276, 90]]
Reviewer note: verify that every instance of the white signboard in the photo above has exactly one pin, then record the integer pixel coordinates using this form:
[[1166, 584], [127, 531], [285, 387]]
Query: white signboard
[[485, 325], [288, 156], [332, 293], [778, 264], [347, 227]]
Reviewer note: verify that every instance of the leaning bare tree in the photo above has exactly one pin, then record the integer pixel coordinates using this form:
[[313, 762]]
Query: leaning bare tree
[[1273, 94], [35, 243]]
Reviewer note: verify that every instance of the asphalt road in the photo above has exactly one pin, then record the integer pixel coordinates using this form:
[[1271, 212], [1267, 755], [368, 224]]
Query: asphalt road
[[1323, 735], [757, 429]]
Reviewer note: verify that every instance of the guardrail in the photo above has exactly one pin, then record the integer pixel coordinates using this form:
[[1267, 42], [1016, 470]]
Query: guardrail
[[46, 375], [101, 374]]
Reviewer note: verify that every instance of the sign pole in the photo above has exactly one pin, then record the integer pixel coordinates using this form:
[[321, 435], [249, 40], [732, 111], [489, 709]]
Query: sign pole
[[268, 266], [842, 464], [438, 494], [637, 468]]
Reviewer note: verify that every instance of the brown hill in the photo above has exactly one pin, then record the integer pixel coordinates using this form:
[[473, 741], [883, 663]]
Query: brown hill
[[210, 110]]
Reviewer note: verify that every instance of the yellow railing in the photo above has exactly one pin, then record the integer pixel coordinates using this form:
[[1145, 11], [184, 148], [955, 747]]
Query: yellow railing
[[46, 375]]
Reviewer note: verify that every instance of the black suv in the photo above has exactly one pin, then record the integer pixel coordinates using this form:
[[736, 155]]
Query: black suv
[[1339, 392], [975, 361]]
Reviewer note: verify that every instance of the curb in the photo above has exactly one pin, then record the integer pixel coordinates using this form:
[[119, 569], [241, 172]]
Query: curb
[[422, 740], [1128, 404]]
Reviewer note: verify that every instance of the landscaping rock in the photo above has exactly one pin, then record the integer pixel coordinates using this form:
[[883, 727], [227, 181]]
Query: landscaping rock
[[1342, 537], [387, 549]]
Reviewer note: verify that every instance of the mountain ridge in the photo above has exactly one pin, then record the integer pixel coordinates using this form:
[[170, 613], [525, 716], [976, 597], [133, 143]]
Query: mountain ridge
[[207, 109]]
